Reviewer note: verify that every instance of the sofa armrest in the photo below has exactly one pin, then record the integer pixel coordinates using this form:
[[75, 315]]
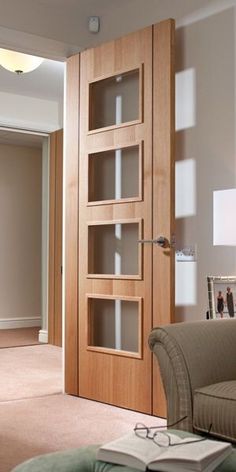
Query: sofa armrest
[[175, 378], [192, 355]]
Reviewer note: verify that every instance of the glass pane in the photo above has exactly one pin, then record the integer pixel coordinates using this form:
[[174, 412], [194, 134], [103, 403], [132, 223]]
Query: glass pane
[[114, 324], [114, 174], [113, 249], [114, 100]]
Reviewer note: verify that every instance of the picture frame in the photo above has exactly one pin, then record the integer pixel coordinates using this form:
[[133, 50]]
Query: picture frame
[[221, 296]]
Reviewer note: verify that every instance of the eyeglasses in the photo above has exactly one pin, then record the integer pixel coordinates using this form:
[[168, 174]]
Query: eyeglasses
[[163, 438]]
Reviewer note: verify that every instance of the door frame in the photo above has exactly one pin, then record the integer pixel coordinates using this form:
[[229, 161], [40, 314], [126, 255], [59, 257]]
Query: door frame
[[55, 238]]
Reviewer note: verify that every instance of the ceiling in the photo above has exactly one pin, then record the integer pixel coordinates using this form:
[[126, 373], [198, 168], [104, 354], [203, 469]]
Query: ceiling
[[45, 82], [57, 29]]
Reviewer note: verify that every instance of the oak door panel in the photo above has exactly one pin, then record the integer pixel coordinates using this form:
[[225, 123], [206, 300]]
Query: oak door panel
[[114, 376]]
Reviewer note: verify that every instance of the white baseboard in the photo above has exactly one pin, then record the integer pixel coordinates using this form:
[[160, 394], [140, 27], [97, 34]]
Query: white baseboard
[[23, 322], [43, 336]]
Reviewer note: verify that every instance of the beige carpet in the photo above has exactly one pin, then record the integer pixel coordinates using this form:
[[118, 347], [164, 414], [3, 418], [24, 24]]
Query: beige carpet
[[30, 371], [35, 419], [18, 337], [59, 422]]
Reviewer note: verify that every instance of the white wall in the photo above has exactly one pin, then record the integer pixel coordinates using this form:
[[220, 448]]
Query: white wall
[[205, 151], [20, 236], [18, 111]]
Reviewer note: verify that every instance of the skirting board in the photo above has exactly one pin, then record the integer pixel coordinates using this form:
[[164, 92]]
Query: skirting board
[[11, 323], [43, 336]]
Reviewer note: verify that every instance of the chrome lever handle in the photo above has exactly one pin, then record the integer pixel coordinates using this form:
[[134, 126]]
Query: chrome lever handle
[[161, 241], [144, 241]]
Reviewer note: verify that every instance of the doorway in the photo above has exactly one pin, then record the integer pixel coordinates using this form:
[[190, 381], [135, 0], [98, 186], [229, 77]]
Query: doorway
[[32, 109], [24, 187], [31, 242]]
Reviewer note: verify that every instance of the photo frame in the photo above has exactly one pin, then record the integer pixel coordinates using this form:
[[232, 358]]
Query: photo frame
[[222, 296]]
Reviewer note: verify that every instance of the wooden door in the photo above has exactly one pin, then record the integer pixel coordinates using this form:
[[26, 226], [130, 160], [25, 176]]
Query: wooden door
[[55, 239], [115, 195], [124, 166]]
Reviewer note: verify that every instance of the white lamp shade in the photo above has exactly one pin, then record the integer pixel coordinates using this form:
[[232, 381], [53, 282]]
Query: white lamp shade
[[224, 217], [18, 62]]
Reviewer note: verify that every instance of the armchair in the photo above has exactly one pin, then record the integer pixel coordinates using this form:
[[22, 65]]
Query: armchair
[[198, 368]]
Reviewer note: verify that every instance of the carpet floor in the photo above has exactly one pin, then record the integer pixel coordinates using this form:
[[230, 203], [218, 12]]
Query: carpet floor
[[58, 422], [18, 337], [30, 371], [36, 418]]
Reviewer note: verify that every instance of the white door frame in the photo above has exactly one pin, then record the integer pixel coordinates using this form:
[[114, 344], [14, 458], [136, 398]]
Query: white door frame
[[43, 333]]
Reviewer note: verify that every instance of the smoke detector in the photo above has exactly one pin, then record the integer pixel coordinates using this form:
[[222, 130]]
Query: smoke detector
[[94, 24]]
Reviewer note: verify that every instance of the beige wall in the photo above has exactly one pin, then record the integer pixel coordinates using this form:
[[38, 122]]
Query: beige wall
[[20, 233], [205, 152]]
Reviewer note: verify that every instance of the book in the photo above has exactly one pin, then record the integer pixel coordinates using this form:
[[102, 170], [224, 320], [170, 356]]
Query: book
[[144, 454]]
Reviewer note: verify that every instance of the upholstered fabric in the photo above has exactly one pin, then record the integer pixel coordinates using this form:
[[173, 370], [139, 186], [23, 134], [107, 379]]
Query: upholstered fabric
[[218, 402], [75, 460], [194, 355], [175, 377], [84, 460]]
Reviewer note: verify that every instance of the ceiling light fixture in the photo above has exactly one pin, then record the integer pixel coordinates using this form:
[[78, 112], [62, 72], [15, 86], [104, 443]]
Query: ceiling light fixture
[[18, 62]]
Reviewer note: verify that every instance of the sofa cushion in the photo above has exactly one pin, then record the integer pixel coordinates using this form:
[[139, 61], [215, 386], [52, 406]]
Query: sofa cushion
[[84, 460], [216, 405], [81, 460]]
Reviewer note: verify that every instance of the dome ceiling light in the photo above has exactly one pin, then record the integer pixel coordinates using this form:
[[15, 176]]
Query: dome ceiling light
[[18, 62]]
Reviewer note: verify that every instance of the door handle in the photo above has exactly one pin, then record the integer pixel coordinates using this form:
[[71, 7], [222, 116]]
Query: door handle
[[160, 241]]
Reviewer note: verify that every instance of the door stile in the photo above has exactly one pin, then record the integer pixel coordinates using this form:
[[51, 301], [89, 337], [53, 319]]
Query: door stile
[[163, 188], [71, 183]]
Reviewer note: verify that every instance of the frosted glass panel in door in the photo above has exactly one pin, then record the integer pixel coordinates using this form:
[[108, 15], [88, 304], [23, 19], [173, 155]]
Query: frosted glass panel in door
[[114, 174], [114, 324], [114, 249], [114, 100]]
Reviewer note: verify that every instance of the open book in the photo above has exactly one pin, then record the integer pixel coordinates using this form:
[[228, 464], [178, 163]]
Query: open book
[[139, 453]]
